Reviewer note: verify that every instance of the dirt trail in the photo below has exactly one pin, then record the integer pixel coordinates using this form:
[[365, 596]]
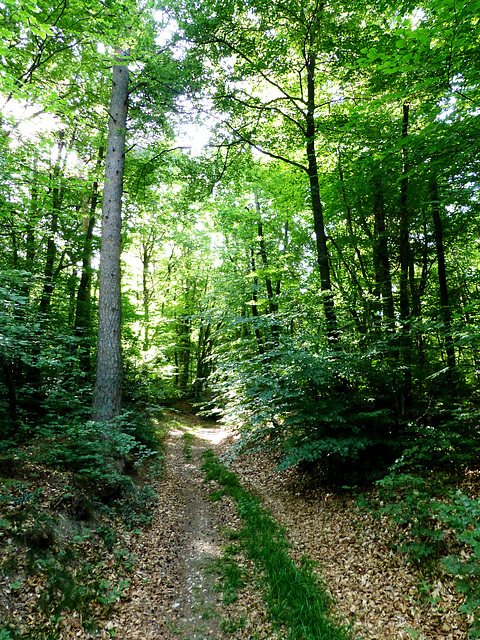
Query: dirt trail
[[173, 592], [196, 607]]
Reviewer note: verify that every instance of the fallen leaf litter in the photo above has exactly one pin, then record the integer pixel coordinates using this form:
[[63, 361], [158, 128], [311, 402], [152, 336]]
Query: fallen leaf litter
[[173, 592]]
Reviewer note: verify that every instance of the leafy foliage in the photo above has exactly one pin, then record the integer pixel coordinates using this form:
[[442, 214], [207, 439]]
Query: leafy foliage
[[437, 526]]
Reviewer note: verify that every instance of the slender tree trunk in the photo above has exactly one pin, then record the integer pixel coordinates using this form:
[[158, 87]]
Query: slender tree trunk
[[57, 197], [147, 247], [12, 395], [381, 258], [258, 335], [348, 213], [404, 222], [13, 240], [406, 390], [184, 346], [71, 288], [30, 229], [442, 275], [184, 329], [317, 207], [201, 368], [145, 298], [272, 304], [83, 319], [107, 395]]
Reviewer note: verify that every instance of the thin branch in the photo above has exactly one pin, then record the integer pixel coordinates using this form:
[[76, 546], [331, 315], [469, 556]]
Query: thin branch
[[266, 107], [275, 156], [262, 74]]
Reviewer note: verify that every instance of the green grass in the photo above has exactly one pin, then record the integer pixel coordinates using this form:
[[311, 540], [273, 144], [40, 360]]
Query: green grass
[[294, 595], [188, 439]]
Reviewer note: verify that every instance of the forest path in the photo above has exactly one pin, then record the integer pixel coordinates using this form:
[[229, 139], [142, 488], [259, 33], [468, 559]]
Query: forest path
[[173, 595], [197, 603]]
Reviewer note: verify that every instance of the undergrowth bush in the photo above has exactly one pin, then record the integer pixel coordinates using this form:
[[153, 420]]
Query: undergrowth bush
[[438, 528], [345, 415], [332, 412], [73, 540], [96, 451]]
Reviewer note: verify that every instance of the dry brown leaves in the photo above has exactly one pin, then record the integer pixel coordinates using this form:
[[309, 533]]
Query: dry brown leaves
[[371, 583], [173, 590]]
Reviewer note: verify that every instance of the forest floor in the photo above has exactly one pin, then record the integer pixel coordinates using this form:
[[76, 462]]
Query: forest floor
[[175, 589], [176, 594]]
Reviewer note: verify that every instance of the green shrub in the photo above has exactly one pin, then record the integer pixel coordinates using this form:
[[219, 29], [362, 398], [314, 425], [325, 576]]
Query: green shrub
[[95, 452], [437, 525], [331, 412]]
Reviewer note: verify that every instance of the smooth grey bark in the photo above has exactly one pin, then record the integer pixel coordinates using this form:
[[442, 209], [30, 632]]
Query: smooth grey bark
[[107, 394]]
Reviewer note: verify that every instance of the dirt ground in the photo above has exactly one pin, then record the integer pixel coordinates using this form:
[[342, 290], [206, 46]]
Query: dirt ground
[[174, 592]]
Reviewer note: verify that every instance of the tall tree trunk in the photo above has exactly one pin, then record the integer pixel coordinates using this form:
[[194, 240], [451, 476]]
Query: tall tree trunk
[[57, 197], [83, 317], [442, 274], [381, 258], [107, 394], [317, 207]]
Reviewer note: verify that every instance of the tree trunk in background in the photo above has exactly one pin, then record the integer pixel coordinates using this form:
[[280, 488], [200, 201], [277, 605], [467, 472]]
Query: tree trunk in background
[[258, 335], [272, 304], [30, 228], [442, 275], [348, 213], [107, 394], [404, 239], [317, 207], [406, 391], [147, 248], [9, 382], [184, 333], [83, 318], [57, 197], [381, 259]]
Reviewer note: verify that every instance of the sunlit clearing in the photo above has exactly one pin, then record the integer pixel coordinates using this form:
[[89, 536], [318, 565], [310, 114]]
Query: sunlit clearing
[[215, 436]]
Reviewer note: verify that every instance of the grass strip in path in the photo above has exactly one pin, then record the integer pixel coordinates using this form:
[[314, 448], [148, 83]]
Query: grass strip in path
[[294, 595]]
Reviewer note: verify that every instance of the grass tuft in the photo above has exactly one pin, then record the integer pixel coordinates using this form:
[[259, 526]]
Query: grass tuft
[[295, 597]]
